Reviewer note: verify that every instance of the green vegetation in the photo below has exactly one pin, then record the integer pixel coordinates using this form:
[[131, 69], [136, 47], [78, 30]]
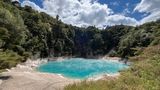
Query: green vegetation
[[143, 75], [9, 59], [25, 32]]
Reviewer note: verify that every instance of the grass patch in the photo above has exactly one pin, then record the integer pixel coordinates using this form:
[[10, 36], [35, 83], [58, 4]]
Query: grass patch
[[9, 59], [144, 74]]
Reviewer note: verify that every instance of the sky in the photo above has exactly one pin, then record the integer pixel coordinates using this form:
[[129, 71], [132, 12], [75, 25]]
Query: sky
[[100, 13]]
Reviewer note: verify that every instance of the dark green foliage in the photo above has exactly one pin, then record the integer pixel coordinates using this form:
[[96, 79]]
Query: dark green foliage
[[30, 33], [142, 75], [25, 32], [9, 59], [142, 36]]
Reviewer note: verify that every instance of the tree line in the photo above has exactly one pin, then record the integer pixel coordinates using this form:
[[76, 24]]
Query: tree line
[[25, 32]]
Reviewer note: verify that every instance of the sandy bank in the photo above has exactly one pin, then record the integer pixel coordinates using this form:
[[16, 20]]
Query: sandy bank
[[24, 77]]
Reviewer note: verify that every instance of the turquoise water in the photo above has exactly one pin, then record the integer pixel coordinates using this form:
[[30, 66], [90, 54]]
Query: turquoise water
[[82, 68]]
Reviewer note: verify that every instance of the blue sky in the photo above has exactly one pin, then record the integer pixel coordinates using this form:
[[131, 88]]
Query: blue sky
[[131, 12], [118, 6], [38, 2]]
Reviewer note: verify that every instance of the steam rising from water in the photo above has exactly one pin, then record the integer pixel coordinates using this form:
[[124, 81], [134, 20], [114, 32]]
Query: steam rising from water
[[82, 68]]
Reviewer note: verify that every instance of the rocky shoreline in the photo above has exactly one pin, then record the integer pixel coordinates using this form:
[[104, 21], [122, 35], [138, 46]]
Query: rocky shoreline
[[25, 76]]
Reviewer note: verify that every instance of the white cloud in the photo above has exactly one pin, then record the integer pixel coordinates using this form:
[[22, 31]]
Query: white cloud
[[76, 12], [31, 4], [127, 4], [82, 12], [120, 19], [149, 6], [126, 11], [14, 0], [152, 17], [114, 3]]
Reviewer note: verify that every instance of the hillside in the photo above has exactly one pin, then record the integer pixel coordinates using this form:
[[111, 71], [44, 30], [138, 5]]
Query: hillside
[[26, 33], [142, 75]]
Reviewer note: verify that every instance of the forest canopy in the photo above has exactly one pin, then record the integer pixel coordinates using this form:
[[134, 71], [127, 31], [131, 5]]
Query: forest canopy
[[25, 32]]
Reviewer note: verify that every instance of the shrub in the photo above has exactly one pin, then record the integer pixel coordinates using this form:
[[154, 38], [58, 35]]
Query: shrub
[[9, 59]]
